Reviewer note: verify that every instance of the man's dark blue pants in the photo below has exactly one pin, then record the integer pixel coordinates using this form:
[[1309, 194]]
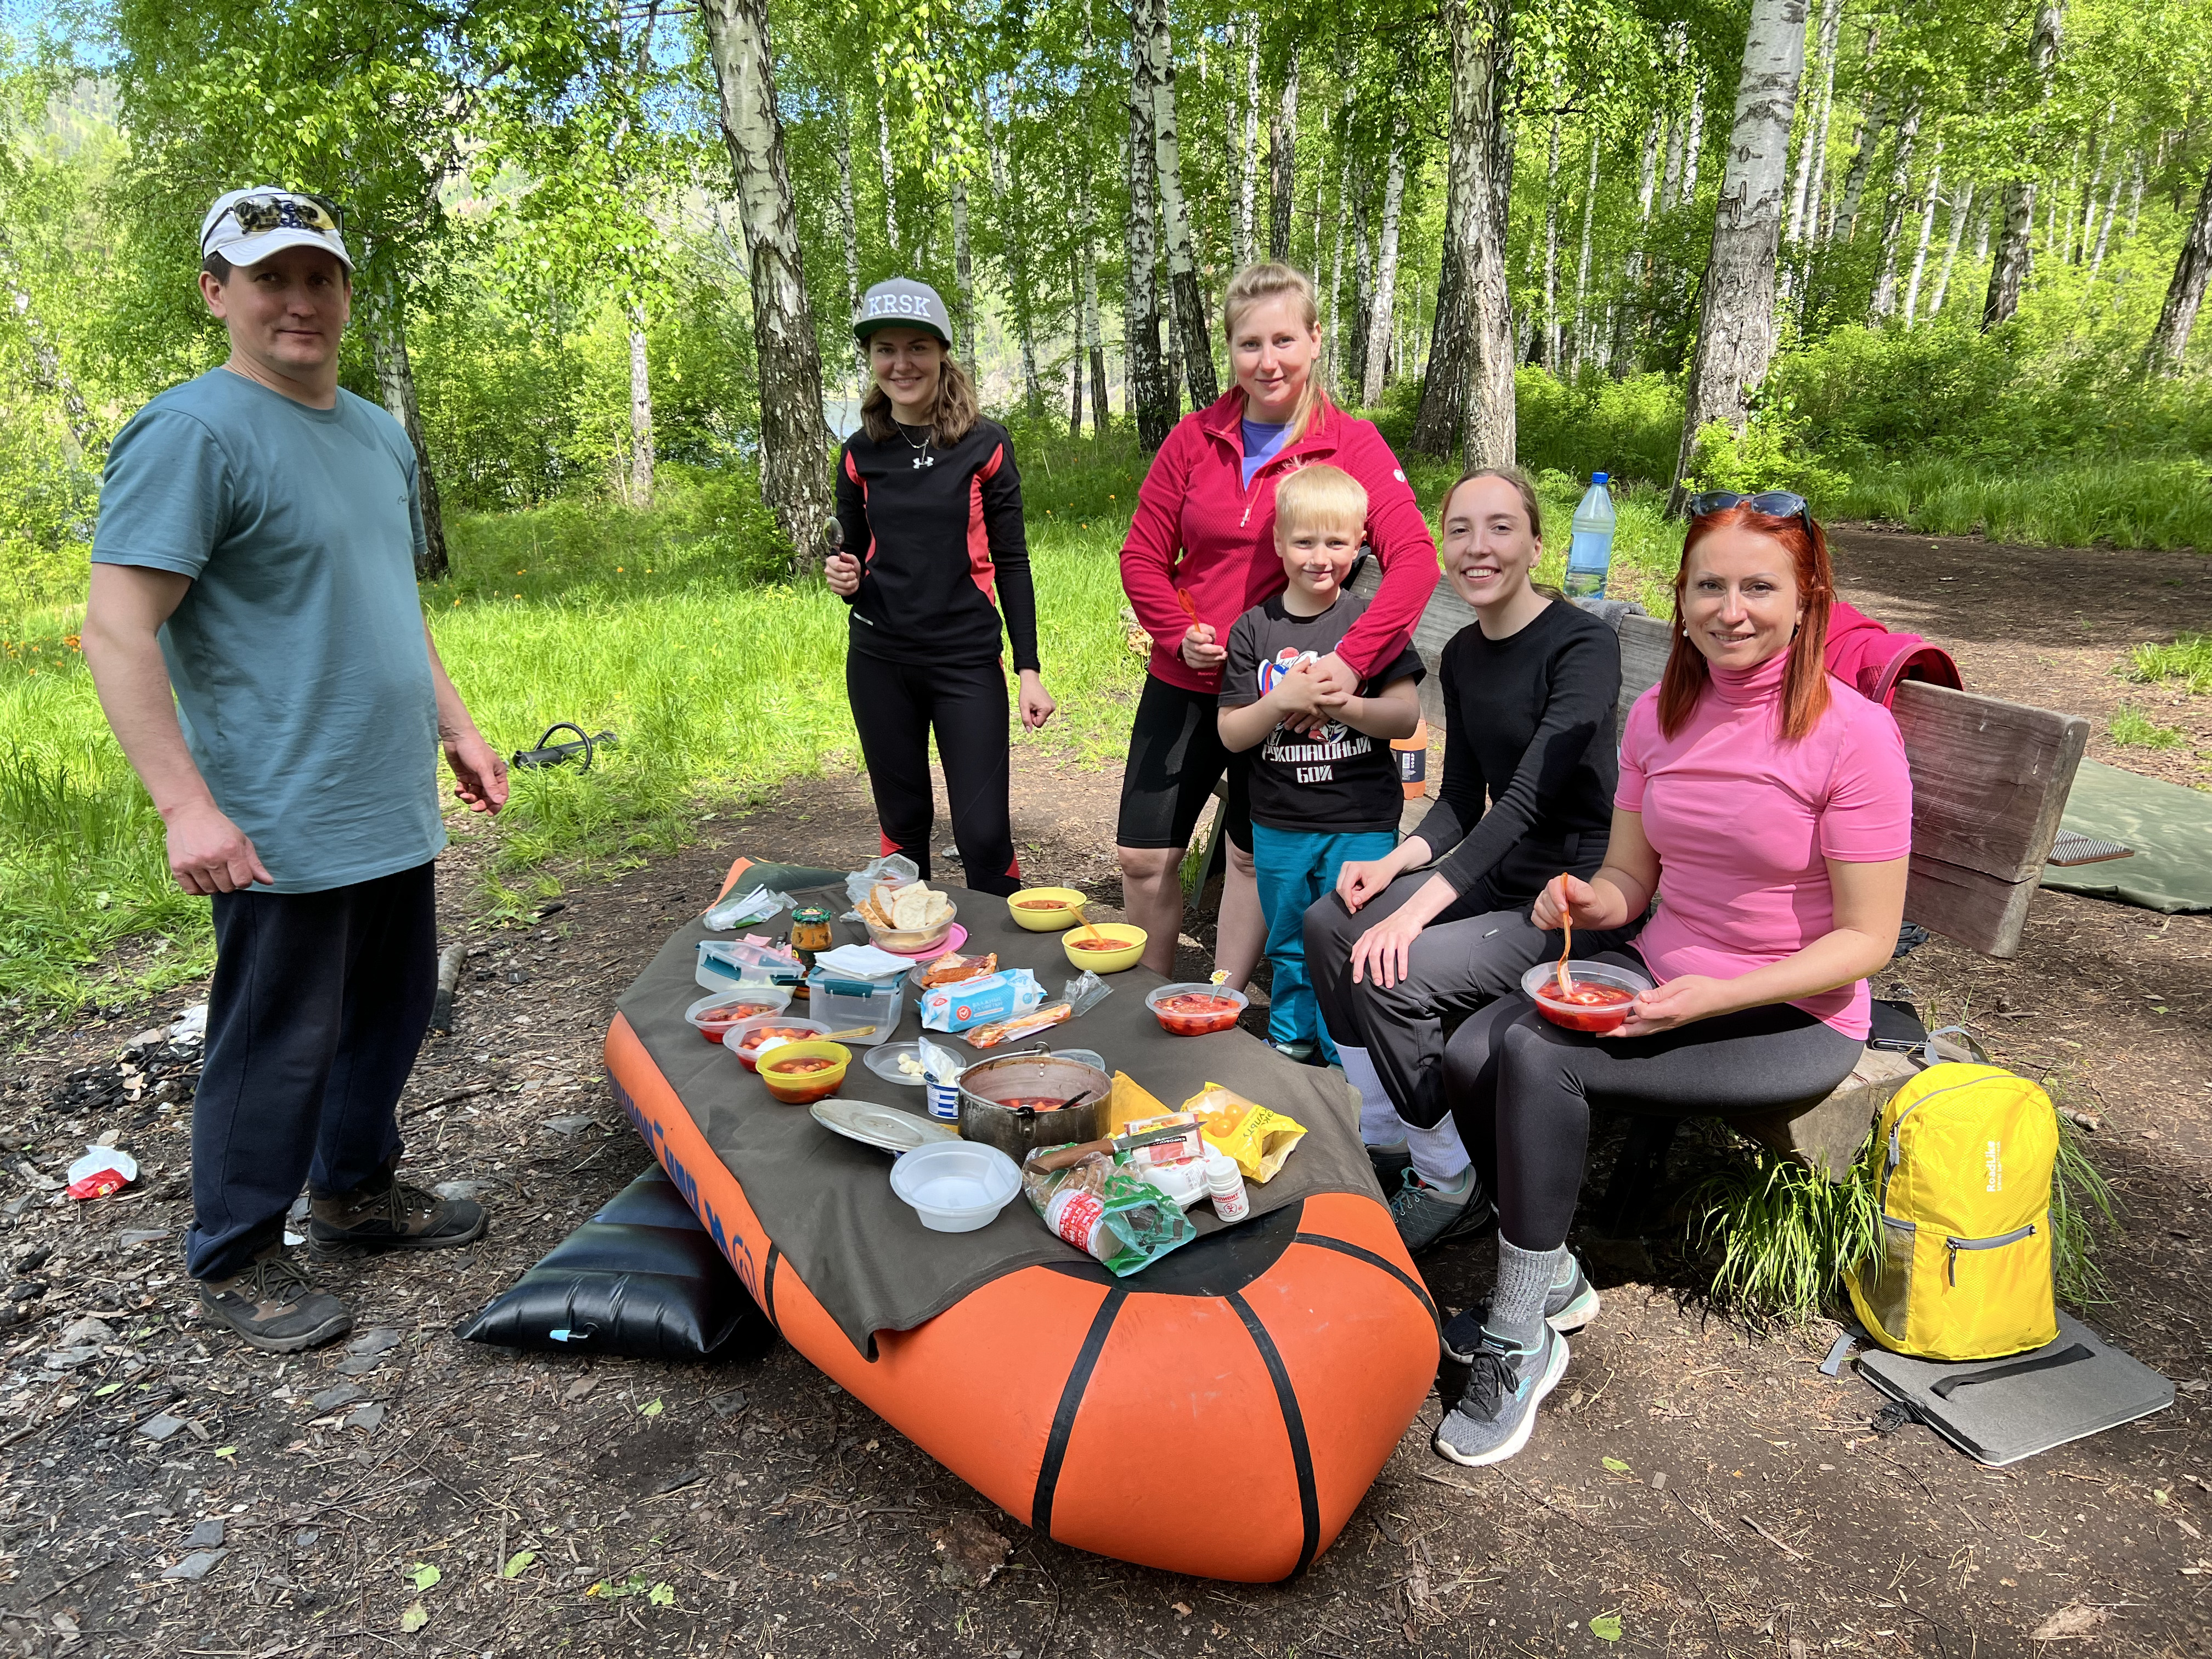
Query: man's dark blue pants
[[317, 1008]]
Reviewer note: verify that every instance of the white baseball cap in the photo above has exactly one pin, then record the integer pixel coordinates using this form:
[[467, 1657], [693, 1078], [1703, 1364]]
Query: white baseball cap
[[246, 226], [902, 303]]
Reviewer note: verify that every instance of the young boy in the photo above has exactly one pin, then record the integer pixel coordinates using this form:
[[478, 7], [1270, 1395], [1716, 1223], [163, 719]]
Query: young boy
[[1324, 784]]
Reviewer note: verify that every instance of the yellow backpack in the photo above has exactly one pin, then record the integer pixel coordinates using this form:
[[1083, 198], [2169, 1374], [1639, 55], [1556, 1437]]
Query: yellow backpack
[[1964, 1181]]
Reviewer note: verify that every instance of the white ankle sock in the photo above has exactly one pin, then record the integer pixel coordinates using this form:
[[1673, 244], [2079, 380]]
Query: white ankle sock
[[1379, 1122], [1439, 1158]]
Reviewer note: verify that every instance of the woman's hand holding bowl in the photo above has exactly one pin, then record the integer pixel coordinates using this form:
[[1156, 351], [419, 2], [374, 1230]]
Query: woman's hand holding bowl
[[1678, 1002]]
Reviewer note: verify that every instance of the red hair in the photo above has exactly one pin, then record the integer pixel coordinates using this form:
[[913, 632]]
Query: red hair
[[1805, 686]]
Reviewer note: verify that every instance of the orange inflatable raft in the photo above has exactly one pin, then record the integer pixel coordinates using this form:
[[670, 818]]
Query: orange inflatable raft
[[1290, 1354]]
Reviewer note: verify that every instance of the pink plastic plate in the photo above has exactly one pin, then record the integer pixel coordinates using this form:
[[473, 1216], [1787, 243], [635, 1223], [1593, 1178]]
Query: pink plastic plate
[[952, 941]]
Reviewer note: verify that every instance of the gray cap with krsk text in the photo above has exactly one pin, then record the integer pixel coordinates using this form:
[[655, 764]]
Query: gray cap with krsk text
[[902, 303]]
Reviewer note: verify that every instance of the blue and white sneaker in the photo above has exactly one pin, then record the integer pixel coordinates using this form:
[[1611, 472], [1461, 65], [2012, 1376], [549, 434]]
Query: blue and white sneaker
[[1567, 1307], [1496, 1415]]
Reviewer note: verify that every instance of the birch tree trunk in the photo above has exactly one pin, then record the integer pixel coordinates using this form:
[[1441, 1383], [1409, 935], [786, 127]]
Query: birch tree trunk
[[795, 469], [1195, 346], [1330, 308], [1633, 306], [1013, 211], [1248, 170], [1927, 234], [1152, 385], [1893, 211], [1812, 151], [2169, 341], [1735, 312], [884, 160], [1846, 221], [1693, 141], [1282, 163], [964, 276], [1383, 312], [385, 322], [1101, 413], [848, 227], [2009, 271], [2104, 226], [1582, 346], [1444, 382], [1961, 207], [1552, 241], [1482, 63], [1363, 288], [640, 413]]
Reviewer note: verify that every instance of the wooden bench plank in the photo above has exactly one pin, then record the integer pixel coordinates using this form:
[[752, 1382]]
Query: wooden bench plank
[[1990, 779]]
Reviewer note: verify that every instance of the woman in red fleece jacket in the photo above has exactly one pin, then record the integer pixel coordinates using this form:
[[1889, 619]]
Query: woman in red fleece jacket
[[1204, 533]]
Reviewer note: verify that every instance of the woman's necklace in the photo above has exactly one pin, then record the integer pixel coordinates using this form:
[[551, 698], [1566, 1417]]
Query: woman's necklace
[[924, 459]]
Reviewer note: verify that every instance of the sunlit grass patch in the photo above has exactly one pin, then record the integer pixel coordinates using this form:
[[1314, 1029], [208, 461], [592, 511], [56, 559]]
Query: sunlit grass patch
[[2188, 659], [2135, 729]]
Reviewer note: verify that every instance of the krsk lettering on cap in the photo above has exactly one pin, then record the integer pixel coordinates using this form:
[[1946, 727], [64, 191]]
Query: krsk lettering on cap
[[246, 226], [902, 303]]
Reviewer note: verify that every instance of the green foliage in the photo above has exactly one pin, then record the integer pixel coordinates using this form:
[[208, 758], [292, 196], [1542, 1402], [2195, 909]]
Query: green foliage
[[2150, 501], [2188, 659], [1593, 424], [1770, 453], [2080, 1195], [2134, 729]]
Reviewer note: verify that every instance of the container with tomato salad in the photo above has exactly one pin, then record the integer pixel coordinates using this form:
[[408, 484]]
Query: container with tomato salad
[[805, 1073], [1196, 1009], [748, 1039]]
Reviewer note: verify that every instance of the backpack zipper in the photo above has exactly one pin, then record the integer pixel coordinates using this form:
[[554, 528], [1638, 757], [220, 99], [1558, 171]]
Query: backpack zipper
[[1896, 1150], [1953, 1246]]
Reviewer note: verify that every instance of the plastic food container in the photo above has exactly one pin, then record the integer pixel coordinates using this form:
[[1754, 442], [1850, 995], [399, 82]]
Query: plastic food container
[[1541, 982], [744, 1039], [844, 1005], [1129, 945], [955, 1187], [1193, 1022], [907, 941], [1045, 910], [712, 1016], [796, 1074]]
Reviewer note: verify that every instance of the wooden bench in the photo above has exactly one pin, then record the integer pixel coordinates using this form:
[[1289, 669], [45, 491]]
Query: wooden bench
[[1990, 781]]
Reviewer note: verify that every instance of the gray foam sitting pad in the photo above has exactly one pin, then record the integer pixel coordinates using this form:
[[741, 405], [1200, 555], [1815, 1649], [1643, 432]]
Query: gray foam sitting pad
[[1999, 1411]]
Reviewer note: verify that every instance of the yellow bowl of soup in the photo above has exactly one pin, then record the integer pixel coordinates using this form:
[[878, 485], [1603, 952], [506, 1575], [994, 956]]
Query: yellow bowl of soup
[[1106, 948], [1045, 910]]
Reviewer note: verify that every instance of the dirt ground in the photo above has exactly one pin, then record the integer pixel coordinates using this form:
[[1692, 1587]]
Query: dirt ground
[[507, 1505]]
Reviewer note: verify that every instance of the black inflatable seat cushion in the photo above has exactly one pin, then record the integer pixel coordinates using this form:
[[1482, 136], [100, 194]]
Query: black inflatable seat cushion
[[641, 1278]]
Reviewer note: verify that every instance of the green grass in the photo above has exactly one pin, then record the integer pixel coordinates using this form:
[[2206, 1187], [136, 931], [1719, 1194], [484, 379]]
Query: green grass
[[1787, 1234], [2134, 729], [2164, 502], [2188, 659]]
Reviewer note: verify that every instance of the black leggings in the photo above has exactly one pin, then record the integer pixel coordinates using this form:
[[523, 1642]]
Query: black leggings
[[1521, 1089], [895, 707]]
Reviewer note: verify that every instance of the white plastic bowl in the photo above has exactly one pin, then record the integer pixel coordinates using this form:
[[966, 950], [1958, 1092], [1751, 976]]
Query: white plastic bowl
[[955, 1187]]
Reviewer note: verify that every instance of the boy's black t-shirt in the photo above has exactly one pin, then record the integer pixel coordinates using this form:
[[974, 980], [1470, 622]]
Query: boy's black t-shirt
[[1333, 781]]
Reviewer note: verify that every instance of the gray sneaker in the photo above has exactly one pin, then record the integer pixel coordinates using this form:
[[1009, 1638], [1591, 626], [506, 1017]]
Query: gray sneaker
[[1391, 1162], [1496, 1415], [1425, 1218], [1567, 1307], [272, 1307]]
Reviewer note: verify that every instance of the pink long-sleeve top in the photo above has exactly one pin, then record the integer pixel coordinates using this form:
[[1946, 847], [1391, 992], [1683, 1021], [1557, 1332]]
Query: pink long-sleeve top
[[1744, 822], [1201, 529]]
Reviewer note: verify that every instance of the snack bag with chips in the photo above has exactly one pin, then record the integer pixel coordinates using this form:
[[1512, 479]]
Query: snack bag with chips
[[1113, 1214], [1257, 1138]]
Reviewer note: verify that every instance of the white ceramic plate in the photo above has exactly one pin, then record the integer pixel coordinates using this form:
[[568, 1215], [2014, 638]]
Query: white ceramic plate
[[884, 1127]]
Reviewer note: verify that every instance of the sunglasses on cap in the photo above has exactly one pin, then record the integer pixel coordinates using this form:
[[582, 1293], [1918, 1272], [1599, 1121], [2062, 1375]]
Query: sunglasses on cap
[[296, 210], [1778, 503]]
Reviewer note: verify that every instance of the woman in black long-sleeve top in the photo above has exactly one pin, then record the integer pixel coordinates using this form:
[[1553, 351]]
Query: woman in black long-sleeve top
[[930, 505], [1529, 769]]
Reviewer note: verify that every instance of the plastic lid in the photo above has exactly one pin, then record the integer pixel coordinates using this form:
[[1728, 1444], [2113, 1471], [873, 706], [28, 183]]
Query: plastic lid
[[1600, 477], [1222, 1175]]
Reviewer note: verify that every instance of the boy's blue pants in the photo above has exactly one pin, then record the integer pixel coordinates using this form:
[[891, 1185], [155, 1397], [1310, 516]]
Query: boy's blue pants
[[1295, 867]]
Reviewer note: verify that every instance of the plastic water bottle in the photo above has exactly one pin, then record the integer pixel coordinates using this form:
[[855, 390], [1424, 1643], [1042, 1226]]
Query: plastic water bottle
[[1590, 554]]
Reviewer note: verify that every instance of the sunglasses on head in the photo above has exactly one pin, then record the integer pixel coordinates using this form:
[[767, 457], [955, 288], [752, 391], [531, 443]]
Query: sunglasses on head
[[1778, 503], [292, 211]]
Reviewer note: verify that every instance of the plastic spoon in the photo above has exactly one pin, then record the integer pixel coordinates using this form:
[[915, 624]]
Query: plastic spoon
[[1566, 949]]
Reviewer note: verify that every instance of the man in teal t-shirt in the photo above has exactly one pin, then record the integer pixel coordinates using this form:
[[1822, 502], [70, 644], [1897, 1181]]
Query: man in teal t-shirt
[[259, 649]]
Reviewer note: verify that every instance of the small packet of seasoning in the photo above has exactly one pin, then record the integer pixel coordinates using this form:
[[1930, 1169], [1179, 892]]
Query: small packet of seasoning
[[1259, 1139], [1083, 993]]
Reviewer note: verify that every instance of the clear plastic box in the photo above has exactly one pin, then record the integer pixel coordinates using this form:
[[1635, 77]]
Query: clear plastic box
[[842, 1004]]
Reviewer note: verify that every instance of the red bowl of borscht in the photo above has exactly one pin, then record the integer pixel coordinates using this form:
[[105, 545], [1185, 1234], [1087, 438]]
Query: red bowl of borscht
[[1598, 1001]]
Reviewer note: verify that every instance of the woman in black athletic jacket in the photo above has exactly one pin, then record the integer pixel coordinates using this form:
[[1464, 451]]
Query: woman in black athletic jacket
[[931, 509], [1530, 767]]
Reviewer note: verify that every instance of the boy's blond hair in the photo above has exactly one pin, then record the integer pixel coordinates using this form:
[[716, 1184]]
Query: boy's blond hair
[[1320, 497]]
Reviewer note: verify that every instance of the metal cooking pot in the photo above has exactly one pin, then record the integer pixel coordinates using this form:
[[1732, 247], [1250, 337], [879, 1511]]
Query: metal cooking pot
[[1033, 1075]]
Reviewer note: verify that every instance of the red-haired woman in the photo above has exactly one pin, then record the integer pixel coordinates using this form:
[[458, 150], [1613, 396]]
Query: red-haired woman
[[1768, 807]]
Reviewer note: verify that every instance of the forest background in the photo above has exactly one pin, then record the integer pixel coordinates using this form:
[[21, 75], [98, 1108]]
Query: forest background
[[609, 252]]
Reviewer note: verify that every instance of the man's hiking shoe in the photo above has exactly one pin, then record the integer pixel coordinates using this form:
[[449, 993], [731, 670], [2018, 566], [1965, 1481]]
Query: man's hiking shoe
[[1391, 1162], [1425, 1217], [272, 1306], [389, 1214], [1496, 1415], [1567, 1307]]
